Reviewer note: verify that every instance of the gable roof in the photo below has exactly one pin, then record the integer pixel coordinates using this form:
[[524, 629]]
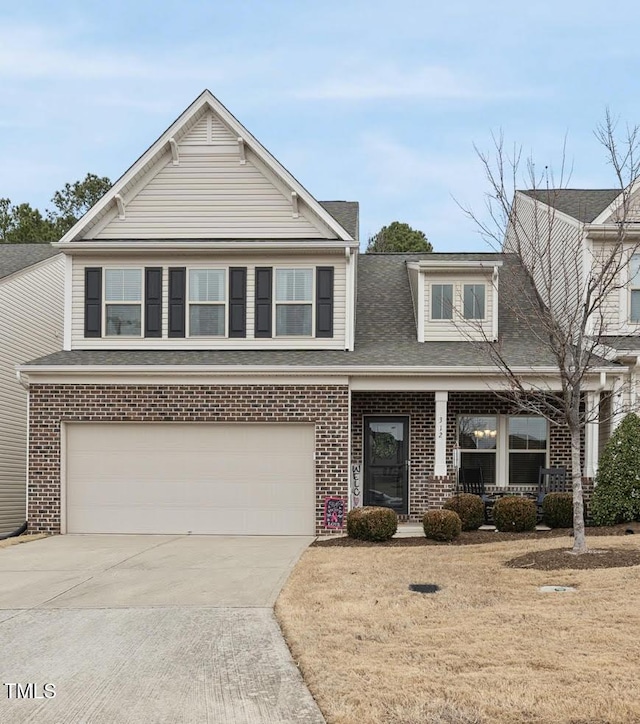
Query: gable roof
[[14, 257], [231, 136], [385, 329], [582, 204]]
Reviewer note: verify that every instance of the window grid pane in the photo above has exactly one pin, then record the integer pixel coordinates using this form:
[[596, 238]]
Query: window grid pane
[[635, 305], [294, 285], [441, 301], [293, 320], [123, 285], [123, 320], [634, 270], [527, 433], [473, 301], [206, 320], [524, 467], [485, 460], [206, 285]]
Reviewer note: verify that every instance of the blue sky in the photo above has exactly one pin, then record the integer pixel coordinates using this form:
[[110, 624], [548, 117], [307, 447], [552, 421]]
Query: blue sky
[[372, 101]]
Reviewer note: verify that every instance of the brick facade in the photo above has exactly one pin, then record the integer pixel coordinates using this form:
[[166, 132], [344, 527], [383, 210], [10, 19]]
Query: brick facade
[[425, 490], [323, 405]]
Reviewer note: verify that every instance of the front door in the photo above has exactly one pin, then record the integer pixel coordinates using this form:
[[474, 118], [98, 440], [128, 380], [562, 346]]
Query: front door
[[386, 462]]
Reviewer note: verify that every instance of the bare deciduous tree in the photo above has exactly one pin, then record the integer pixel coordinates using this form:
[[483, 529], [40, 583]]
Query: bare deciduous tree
[[574, 280]]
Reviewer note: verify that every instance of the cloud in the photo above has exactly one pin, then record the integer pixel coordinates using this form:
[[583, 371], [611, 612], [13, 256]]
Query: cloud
[[431, 82]]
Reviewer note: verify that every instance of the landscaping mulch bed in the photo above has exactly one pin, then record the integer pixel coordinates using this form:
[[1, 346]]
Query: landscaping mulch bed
[[475, 537], [562, 559], [546, 560]]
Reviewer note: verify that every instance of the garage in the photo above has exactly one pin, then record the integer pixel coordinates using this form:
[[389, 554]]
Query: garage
[[228, 479]]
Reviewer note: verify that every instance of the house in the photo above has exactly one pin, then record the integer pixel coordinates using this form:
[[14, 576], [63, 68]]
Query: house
[[31, 304], [577, 231], [232, 364]]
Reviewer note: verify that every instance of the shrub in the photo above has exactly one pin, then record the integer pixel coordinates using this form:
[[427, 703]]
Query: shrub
[[557, 510], [469, 507], [514, 514], [441, 524], [616, 497], [372, 523]]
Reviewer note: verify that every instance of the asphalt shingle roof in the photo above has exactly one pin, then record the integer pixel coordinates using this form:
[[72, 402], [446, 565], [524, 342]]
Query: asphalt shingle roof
[[14, 257], [385, 328], [583, 204], [346, 213]]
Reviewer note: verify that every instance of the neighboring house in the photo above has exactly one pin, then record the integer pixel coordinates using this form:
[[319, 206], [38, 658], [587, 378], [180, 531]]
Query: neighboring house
[[231, 363], [31, 303], [579, 228]]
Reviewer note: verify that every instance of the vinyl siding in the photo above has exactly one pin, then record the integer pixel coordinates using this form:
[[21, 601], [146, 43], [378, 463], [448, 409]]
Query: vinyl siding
[[306, 261], [551, 246], [210, 194], [457, 328], [617, 303], [31, 323]]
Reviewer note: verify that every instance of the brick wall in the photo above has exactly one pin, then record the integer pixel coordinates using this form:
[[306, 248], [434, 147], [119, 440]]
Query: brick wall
[[427, 491], [325, 406]]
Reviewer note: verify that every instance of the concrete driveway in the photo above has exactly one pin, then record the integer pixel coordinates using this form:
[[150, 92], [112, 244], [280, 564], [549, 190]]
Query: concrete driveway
[[148, 629]]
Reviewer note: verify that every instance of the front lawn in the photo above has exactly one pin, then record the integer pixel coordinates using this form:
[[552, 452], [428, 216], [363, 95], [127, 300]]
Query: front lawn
[[488, 647]]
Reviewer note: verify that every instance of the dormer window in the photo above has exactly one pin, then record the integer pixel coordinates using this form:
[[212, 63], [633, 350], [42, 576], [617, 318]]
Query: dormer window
[[473, 302], [441, 301], [634, 289]]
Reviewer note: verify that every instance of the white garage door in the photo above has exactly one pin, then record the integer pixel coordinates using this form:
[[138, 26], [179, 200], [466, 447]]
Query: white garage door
[[190, 478]]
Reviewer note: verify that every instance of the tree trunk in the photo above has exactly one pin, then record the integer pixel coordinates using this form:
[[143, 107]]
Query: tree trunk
[[579, 539]]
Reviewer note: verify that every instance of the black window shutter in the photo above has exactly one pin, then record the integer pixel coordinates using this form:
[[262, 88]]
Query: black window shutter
[[238, 301], [93, 302], [177, 301], [153, 302], [324, 301], [264, 284]]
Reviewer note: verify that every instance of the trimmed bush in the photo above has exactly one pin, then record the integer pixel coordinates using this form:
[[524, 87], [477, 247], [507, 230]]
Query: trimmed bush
[[616, 497], [441, 524], [514, 514], [372, 523], [469, 507], [557, 510]]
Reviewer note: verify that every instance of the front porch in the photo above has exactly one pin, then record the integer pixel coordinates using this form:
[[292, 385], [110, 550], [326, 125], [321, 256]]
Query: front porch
[[407, 447]]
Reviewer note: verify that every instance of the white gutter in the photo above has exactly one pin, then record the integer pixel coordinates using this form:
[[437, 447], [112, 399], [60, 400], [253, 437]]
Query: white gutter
[[292, 370], [294, 245]]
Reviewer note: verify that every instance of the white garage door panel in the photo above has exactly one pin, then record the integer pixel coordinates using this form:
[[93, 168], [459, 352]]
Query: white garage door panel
[[180, 478]]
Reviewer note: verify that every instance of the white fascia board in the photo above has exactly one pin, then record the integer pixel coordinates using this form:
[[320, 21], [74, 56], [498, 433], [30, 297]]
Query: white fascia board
[[612, 231], [294, 246], [206, 98], [461, 266], [295, 370]]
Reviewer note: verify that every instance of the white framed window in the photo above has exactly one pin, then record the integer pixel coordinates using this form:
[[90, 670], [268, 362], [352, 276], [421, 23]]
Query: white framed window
[[442, 301], [207, 301], [123, 302], [294, 302], [510, 449], [634, 289], [473, 301]]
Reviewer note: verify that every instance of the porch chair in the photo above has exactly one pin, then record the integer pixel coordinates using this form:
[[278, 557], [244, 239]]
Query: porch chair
[[550, 480], [472, 481]]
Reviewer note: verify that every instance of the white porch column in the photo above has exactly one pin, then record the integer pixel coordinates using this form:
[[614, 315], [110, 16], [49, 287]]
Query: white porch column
[[617, 403], [440, 461], [591, 434]]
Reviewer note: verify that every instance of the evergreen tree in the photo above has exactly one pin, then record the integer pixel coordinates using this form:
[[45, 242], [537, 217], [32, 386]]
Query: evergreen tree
[[616, 498]]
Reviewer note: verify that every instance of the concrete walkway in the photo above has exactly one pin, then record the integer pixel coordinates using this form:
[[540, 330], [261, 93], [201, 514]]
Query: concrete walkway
[[148, 629]]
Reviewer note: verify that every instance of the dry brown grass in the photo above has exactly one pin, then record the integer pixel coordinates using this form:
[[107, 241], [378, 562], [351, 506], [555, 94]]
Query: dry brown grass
[[488, 647], [21, 539]]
